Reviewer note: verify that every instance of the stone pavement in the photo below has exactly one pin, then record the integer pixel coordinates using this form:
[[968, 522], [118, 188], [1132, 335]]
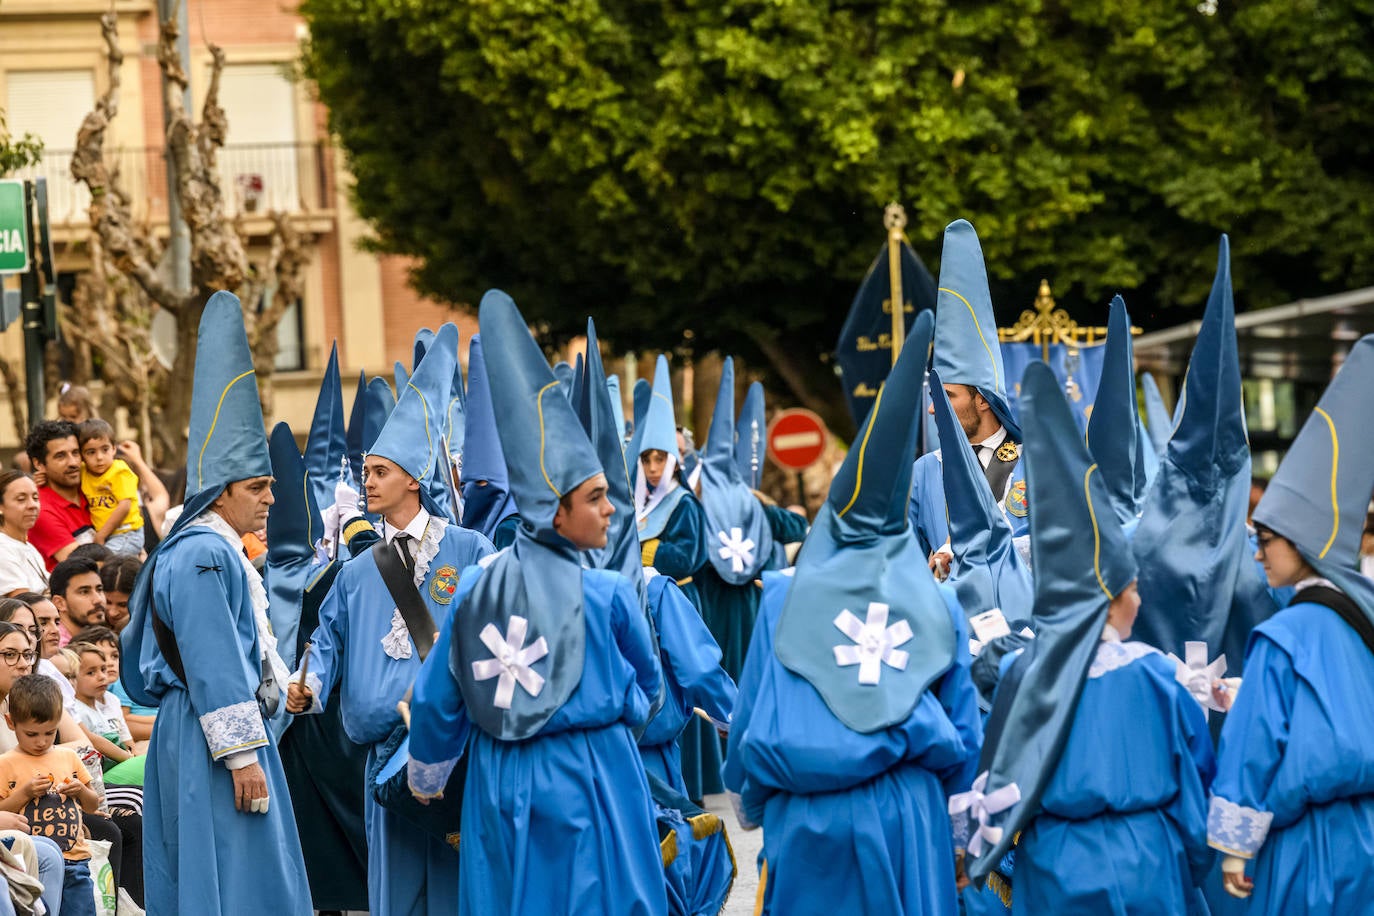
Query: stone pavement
[[746, 844]]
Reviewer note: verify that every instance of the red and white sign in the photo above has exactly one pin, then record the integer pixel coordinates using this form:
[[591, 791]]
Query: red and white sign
[[796, 439]]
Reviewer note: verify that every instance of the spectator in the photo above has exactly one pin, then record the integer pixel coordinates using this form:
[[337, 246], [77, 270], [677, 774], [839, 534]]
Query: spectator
[[94, 710], [74, 403], [78, 596], [63, 520], [21, 565], [97, 552], [154, 498], [111, 490], [118, 577]]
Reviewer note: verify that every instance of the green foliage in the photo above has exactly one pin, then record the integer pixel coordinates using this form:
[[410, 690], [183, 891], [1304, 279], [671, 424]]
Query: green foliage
[[720, 166], [17, 154]]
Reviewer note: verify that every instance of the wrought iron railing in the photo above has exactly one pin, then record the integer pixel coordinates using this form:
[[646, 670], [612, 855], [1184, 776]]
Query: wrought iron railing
[[256, 177]]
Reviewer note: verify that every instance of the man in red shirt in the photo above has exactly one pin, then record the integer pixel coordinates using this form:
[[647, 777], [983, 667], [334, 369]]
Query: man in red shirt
[[63, 520]]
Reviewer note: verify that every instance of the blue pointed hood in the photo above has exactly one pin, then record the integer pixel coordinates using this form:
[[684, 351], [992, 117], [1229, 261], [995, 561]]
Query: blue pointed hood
[[861, 580], [660, 423], [967, 351], [353, 436], [380, 402], [1114, 425], [642, 394], [441, 482], [564, 373], [1198, 578], [739, 541], [617, 405], [401, 377], [327, 446], [535, 587], [487, 499], [988, 572], [1158, 422], [1320, 495], [413, 434], [1082, 562], [424, 339], [751, 437], [293, 526]]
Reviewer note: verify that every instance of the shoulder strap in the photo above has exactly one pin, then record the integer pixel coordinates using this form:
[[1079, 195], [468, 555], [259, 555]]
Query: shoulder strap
[[413, 610], [998, 472], [167, 645], [1343, 605]]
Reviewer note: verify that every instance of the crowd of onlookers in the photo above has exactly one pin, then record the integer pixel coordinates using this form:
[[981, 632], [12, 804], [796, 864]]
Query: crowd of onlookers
[[78, 513]]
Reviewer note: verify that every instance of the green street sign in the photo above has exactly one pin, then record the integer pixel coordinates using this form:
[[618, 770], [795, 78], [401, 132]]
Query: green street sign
[[14, 229]]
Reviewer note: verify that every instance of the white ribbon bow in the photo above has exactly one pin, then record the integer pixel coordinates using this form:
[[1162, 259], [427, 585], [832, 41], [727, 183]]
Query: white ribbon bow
[[981, 807], [875, 643], [512, 660], [1196, 674], [736, 548]]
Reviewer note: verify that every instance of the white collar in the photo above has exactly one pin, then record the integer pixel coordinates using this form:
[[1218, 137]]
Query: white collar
[[996, 439], [1315, 582], [416, 528], [1110, 634]]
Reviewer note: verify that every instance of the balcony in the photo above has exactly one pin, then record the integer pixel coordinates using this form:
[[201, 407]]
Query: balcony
[[256, 177]]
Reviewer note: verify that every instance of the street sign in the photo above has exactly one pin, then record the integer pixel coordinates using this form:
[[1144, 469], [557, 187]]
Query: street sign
[[14, 228], [796, 439]]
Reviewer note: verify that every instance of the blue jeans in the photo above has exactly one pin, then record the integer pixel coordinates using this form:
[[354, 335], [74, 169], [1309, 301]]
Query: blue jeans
[[51, 871], [78, 891]]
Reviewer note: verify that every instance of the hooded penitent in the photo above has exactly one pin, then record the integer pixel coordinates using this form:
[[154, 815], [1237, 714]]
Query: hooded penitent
[[641, 395], [653, 508], [413, 435], [1158, 422], [1114, 431], [967, 351], [740, 543], [226, 442], [487, 499], [987, 572], [864, 622], [327, 445], [1082, 562], [1319, 498], [751, 436], [1198, 578], [293, 526], [532, 593]]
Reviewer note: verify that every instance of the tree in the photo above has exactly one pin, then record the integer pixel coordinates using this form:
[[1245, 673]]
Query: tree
[[109, 320], [719, 168]]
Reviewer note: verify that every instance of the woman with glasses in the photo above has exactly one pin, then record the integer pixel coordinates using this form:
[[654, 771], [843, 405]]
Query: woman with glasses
[[21, 565]]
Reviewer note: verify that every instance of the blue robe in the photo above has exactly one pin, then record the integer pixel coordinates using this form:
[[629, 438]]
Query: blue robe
[[852, 823], [409, 872], [1122, 826], [929, 516], [692, 677], [561, 823], [1295, 779], [200, 855]]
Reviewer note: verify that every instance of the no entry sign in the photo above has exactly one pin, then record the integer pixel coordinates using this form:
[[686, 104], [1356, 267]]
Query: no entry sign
[[796, 439]]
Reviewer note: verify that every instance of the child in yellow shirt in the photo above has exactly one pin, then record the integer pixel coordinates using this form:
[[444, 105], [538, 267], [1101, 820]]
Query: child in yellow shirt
[[49, 785], [111, 490]]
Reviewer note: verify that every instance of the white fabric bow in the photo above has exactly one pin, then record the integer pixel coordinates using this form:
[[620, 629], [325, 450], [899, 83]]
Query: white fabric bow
[[736, 548], [981, 807], [1196, 674], [512, 660], [875, 642]]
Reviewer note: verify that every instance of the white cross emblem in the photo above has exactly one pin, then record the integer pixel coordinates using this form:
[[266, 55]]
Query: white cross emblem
[[511, 662], [736, 548], [875, 642], [1194, 672]]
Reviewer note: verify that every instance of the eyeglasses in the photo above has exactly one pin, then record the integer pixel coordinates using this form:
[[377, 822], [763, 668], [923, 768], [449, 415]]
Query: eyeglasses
[[11, 657]]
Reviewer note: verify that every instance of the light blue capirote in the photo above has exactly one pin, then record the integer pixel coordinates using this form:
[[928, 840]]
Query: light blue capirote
[[1114, 431], [739, 539], [487, 497], [548, 456], [967, 351], [413, 435], [1158, 421], [293, 527], [1319, 497], [326, 445], [751, 437], [1082, 562], [861, 582]]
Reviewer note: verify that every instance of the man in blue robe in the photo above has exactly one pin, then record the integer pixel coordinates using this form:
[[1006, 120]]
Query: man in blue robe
[[1293, 801], [364, 644], [969, 360], [543, 672], [857, 718], [219, 835]]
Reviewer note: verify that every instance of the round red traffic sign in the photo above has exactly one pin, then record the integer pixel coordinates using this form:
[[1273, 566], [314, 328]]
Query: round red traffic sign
[[796, 439]]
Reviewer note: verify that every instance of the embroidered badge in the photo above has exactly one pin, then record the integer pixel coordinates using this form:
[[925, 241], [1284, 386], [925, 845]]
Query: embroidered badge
[[444, 584], [1016, 500], [1008, 451]]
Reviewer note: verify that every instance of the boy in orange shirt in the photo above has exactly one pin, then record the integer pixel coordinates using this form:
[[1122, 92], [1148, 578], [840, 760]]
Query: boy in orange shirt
[[49, 785]]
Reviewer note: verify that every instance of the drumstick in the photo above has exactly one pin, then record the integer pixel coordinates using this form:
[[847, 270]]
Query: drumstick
[[305, 666]]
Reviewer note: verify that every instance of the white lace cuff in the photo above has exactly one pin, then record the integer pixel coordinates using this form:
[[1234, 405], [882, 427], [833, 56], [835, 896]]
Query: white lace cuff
[[959, 829], [1235, 829], [427, 780], [233, 728], [316, 687]]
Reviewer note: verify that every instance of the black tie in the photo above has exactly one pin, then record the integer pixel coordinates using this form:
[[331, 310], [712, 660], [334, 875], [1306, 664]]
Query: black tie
[[403, 545]]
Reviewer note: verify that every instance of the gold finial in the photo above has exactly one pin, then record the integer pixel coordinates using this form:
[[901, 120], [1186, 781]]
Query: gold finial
[[894, 217], [1048, 325]]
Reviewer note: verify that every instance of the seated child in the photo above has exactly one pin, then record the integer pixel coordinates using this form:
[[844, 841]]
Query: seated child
[[48, 785], [94, 709], [66, 663], [111, 490]]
